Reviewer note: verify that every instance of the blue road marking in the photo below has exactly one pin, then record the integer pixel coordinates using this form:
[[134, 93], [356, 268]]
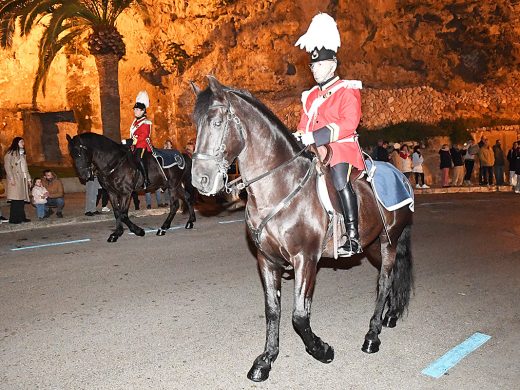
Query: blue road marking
[[232, 221], [50, 244], [439, 367]]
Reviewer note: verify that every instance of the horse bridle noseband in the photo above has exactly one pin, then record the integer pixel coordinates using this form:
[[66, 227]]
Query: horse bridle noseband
[[223, 164]]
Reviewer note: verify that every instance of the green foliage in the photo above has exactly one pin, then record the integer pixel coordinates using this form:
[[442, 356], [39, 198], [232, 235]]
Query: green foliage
[[457, 130]]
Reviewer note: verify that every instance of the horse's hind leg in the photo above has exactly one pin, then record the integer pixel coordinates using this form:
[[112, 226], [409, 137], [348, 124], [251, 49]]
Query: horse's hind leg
[[174, 206], [304, 281], [372, 341], [271, 275]]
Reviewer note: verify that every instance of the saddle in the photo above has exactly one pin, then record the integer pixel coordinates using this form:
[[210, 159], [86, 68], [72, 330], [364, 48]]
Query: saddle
[[168, 158]]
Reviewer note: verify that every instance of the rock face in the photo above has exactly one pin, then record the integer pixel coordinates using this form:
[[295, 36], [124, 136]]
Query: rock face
[[419, 60]]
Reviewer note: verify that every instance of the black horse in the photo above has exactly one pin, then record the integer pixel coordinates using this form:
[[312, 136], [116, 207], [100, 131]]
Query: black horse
[[286, 220], [116, 170]]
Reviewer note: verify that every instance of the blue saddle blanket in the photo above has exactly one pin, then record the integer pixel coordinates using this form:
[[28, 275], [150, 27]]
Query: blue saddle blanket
[[169, 157], [393, 189]]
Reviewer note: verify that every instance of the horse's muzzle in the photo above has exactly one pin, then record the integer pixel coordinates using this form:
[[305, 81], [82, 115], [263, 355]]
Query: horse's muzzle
[[207, 181]]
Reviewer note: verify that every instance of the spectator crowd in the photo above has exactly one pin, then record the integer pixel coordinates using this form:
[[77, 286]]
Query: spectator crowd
[[456, 162]]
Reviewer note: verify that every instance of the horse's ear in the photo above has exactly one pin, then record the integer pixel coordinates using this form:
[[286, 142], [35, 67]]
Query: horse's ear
[[216, 87], [69, 138], [195, 88]]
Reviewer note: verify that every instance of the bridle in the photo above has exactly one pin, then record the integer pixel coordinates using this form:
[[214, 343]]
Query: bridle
[[239, 183], [88, 166], [91, 168]]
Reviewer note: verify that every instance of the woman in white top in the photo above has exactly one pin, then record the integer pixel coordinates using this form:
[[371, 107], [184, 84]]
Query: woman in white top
[[405, 165], [417, 167]]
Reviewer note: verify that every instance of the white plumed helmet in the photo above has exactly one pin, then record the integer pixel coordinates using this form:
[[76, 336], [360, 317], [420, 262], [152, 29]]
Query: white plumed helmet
[[322, 38], [142, 100]]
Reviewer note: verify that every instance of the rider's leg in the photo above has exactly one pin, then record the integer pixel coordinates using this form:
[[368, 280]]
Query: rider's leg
[[349, 205], [139, 154]]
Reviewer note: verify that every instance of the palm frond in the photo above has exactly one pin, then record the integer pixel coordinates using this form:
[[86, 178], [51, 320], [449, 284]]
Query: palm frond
[[9, 12], [31, 11]]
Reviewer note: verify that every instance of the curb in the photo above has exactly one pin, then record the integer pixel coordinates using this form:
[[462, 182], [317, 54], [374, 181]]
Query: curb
[[8, 228]]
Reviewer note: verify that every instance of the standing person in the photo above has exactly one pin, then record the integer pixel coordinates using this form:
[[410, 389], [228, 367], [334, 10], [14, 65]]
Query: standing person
[[381, 152], [481, 178], [140, 133], [469, 160], [18, 180], [2, 190], [91, 190], [457, 156], [406, 161], [417, 167], [512, 174], [445, 165], [516, 164], [103, 196], [394, 155], [500, 162], [330, 116], [40, 195], [487, 159], [56, 193]]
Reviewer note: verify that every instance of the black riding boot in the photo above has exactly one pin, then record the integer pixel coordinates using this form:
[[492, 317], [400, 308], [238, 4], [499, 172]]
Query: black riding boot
[[144, 171], [349, 205]]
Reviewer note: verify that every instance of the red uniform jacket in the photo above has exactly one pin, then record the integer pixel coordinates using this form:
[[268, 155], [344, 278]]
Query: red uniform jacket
[[139, 131], [337, 114]]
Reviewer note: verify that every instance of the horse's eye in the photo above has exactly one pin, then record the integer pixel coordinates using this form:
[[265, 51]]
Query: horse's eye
[[216, 123]]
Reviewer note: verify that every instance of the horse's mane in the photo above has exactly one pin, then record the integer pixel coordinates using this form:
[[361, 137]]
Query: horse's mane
[[100, 142], [205, 98]]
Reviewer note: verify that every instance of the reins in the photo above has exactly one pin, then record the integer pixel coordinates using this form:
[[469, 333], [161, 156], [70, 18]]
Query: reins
[[223, 165]]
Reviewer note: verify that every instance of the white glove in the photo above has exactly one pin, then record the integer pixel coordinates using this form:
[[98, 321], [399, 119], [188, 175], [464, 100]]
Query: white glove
[[307, 139], [297, 135]]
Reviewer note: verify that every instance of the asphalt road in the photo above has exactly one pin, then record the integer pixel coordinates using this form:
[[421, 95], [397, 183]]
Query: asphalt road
[[185, 311]]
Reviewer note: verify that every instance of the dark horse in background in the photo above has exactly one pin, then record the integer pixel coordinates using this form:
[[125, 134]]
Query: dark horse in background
[[116, 169], [286, 220]]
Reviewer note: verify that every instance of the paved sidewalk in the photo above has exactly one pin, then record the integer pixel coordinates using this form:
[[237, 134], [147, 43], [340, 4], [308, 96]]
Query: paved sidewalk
[[74, 211]]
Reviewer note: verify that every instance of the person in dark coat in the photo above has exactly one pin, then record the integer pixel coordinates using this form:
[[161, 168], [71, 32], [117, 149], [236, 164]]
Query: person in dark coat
[[445, 165]]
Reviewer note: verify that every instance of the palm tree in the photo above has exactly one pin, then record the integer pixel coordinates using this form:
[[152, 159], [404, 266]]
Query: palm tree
[[66, 21]]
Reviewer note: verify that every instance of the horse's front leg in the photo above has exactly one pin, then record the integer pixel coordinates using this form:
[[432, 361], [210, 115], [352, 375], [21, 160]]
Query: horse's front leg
[[125, 205], [116, 206], [304, 280], [388, 254], [271, 275]]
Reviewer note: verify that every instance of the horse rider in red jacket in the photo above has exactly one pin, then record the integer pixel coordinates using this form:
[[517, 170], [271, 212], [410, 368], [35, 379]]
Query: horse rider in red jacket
[[330, 116], [140, 133]]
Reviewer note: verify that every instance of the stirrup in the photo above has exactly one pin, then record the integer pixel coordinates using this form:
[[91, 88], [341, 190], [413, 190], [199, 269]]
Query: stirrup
[[350, 248]]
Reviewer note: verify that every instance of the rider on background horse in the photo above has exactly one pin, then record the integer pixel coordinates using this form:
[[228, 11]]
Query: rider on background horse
[[330, 116], [140, 133]]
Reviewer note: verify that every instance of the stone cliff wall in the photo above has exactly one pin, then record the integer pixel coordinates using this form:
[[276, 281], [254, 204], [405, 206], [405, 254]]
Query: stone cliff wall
[[419, 61]]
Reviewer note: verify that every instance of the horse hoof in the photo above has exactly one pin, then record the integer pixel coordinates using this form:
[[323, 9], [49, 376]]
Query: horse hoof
[[370, 346], [113, 238], [161, 232], [139, 232], [390, 322], [189, 225], [324, 354], [259, 372]]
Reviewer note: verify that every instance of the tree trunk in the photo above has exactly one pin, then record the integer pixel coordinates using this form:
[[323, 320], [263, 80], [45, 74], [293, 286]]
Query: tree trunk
[[107, 67]]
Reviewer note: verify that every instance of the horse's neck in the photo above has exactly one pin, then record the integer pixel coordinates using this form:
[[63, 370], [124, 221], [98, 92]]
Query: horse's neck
[[265, 151], [103, 160]]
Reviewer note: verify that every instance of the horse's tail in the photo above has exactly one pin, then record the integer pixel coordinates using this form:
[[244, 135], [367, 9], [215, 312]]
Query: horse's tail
[[402, 282]]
